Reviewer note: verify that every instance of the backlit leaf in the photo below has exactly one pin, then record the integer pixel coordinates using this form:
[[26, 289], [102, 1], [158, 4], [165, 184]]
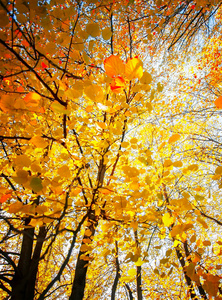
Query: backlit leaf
[[5, 197], [114, 66], [174, 138], [167, 220], [64, 171], [117, 85], [59, 108], [32, 99], [132, 272], [39, 142], [218, 102], [94, 92], [218, 170], [134, 68]]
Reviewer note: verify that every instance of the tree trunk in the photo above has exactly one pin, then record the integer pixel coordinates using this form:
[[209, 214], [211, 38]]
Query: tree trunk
[[187, 278], [139, 283], [31, 280], [129, 291], [81, 265], [23, 283], [198, 283], [117, 277], [19, 281]]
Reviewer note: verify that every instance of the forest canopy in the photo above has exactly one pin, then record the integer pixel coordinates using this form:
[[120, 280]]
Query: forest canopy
[[110, 144]]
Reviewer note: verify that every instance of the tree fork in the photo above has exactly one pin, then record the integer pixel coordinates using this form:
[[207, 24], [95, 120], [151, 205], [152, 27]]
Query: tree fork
[[20, 278]]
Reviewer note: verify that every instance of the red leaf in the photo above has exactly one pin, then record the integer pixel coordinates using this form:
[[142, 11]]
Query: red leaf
[[44, 66]]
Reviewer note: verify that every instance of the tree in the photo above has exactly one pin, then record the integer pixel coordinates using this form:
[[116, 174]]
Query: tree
[[100, 192]]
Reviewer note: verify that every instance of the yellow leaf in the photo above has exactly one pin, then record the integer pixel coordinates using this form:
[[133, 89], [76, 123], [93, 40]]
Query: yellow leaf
[[174, 138], [193, 167], [64, 171], [75, 191], [37, 222], [124, 144], [106, 33], [39, 142], [36, 168], [218, 102], [105, 191], [102, 125], [22, 177], [167, 220], [15, 207], [88, 232], [85, 248], [177, 229], [134, 68], [218, 170], [22, 160], [132, 272], [59, 108], [167, 163], [93, 29], [94, 92], [133, 140], [114, 66], [139, 262], [202, 222], [178, 164], [176, 243], [146, 78]]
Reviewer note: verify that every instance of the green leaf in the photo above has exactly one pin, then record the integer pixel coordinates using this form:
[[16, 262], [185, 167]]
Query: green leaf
[[36, 184]]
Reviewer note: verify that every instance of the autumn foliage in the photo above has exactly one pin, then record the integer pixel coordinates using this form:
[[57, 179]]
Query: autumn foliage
[[110, 144]]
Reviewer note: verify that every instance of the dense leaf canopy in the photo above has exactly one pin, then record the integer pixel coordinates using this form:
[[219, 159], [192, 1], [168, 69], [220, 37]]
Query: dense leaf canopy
[[110, 144]]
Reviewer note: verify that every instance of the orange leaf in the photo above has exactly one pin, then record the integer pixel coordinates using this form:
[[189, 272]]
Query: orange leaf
[[117, 85], [218, 102], [4, 198], [32, 99], [174, 138], [114, 66]]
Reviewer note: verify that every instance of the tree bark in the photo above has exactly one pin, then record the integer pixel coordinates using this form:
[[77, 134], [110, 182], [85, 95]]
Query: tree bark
[[187, 278], [199, 285], [31, 280], [19, 281], [139, 283], [129, 290], [81, 265], [117, 277], [138, 272], [23, 283]]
